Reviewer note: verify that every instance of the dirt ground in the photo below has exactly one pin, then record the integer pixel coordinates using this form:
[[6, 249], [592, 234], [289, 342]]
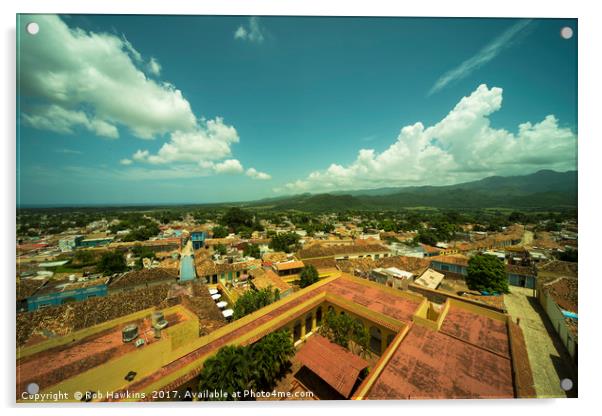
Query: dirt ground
[[550, 362]]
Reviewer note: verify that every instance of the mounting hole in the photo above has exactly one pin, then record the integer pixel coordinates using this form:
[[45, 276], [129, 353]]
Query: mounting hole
[[566, 384], [566, 32], [33, 388], [32, 28]]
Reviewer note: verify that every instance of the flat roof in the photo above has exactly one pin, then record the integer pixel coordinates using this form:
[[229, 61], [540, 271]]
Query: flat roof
[[54, 365], [430, 279], [434, 365]]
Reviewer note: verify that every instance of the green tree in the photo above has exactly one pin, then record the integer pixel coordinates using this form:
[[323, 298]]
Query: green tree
[[252, 250], [309, 276], [142, 252], [219, 231], [229, 371], [220, 249], [271, 358], [254, 367], [286, 242], [236, 218], [426, 237], [83, 258], [347, 332], [487, 273], [112, 262], [252, 300]]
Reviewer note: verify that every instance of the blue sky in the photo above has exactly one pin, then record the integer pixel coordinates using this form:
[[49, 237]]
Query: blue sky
[[170, 109]]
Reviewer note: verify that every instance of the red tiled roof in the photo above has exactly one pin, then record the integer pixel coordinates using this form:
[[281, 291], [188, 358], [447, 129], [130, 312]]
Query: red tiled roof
[[332, 363], [289, 265], [452, 259]]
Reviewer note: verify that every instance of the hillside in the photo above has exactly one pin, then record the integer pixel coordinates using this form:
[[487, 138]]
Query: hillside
[[543, 189]]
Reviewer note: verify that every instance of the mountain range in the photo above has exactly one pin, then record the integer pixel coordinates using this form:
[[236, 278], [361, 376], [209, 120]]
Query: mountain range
[[543, 189]]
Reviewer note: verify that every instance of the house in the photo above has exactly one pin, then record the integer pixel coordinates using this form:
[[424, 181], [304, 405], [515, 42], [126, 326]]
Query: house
[[198, 239], [70, 243], [522, 276], [392, 277], [344, 252], [454, 267], [66, 291], [288, 268]]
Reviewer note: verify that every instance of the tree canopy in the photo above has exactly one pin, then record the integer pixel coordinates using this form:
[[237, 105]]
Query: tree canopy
[[487, 273], [219, 231], [253, 367], [309, 276], [286, 242], [252, 250], [112, 262], [252, 300], [347, 332]]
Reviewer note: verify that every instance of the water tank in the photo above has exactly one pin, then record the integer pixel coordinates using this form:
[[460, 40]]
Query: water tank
[[129, 333], [158, 320]]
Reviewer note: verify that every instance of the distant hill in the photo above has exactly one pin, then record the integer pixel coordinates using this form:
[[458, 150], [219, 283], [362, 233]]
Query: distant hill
[[543, 189]]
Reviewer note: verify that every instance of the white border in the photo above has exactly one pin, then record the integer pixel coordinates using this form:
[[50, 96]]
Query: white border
[[590, 69]]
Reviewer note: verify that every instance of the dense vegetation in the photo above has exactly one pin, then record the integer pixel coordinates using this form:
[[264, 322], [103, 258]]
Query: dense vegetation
[[347, 332], [252, 250], [112, 262], [286, 242], [308, 276], [486, 273], [252, 300], [257, 367]]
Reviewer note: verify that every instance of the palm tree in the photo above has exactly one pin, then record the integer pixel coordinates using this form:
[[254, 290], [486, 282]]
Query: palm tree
[[228, 371]]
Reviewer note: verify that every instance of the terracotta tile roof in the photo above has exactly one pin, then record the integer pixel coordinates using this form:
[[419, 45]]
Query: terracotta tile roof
[[289, 265], [332, 363], [275, 257], [208, 267], [560, 268], [565, 293], [224, 241], [327, 263], [318, 250], [415, 265], [265, 278], [521, 270], [457, 259], [431, 249], [143, 276], [28, 287], [468, 357]]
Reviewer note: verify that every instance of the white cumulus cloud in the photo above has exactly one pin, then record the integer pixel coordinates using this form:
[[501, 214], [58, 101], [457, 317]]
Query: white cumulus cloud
[[229, 166], [154, 67], [462, 146], [255, 174], [210, 141], [72, 72]]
